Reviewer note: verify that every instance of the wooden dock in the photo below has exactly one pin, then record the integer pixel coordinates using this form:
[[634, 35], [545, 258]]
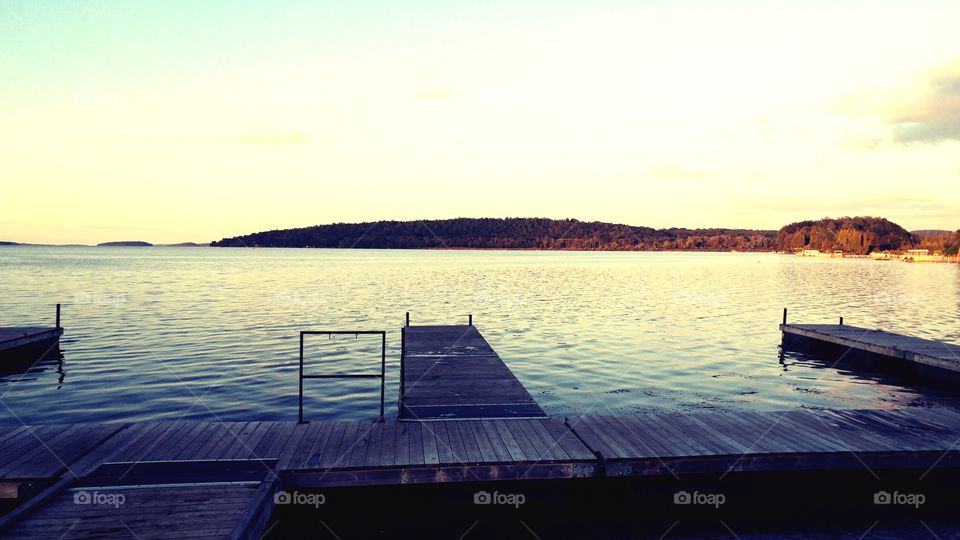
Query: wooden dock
[[218, 480], [878, 342], [451, 372], [28, 342], [21, 344], [464, 417], [807, 440]]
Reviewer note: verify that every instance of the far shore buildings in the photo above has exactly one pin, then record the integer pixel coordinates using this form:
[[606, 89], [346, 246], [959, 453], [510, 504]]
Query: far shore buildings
[[911, 255]]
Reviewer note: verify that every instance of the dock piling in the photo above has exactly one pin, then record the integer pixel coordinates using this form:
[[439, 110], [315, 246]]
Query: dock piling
[[841, 321], [784, 315], [408, 319], [58, 316], [470, 319]]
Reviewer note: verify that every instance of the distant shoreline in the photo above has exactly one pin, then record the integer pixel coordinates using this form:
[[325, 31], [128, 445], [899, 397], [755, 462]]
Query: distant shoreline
[[851, 235], [403, 248]]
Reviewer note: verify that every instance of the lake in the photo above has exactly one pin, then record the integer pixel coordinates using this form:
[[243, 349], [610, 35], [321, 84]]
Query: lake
[[165, 333]]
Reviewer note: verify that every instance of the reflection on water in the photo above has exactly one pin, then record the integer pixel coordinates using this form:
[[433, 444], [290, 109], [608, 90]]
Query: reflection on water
[[206, 333], [29, 365]]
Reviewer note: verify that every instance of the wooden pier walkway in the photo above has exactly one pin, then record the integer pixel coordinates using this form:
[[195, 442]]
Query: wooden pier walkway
[[451, 372], [218, 480], [886, 344]]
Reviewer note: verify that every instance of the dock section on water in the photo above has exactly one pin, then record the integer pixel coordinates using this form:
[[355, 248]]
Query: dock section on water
[[877, 342], [464, 417], [29, 343], [451, 372]]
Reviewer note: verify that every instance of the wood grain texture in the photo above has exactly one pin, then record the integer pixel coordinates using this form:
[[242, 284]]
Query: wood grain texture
[[720, 442], [451, 372]]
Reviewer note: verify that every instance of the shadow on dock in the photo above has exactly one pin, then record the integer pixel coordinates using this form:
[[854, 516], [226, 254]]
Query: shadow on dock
[[749, 505]]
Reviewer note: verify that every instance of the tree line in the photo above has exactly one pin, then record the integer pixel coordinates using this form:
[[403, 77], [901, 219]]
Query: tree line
[[855, 235], [507, 233]]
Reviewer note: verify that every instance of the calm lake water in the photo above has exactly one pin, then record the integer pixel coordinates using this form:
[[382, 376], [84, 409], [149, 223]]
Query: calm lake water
[[208, 333]]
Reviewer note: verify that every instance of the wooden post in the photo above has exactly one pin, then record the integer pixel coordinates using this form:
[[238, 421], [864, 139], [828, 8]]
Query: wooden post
[[383, 369], [470, 319], [408, 319], [58, 316], [784, 315], [403, 361], [300, 414], [841, 321]]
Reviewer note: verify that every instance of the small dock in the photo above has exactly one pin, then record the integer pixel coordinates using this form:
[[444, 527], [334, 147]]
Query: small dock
[[844, 337], [29, 343], [451, 372], [24, 341]]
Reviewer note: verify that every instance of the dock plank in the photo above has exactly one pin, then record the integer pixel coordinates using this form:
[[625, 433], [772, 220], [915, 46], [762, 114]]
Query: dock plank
[[145, 513], [358, 453], [375, 445]]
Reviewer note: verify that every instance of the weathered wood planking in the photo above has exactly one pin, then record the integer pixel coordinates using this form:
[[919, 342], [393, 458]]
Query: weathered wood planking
[[145, 512], [908, 348], [451, 372], [44, 452], [149, 462], [715, 442], [365, 453]]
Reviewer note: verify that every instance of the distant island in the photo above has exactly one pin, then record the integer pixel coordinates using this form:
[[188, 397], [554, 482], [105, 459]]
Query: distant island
[[139, 243], [857, 235], [125, 243]]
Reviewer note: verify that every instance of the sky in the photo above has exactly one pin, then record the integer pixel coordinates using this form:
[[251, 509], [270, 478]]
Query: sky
[[170, 121]]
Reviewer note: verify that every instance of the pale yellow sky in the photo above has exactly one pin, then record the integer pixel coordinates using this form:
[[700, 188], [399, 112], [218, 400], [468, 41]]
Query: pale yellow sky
[[169, 122]]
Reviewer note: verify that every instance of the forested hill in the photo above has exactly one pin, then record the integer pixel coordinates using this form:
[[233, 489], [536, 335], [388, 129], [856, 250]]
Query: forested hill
[[509, 233], [857, 235]]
